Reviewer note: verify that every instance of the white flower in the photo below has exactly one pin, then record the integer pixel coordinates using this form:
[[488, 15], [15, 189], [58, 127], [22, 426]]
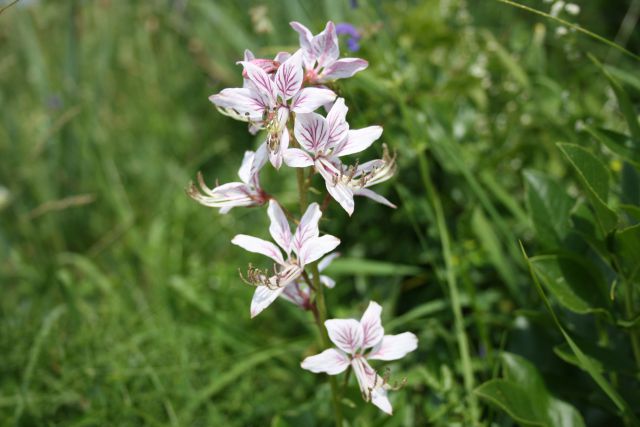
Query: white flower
[[320, 55], [234, 194], [266, 100], [299, 292], [324, 141], [352, 338], [307, 246]]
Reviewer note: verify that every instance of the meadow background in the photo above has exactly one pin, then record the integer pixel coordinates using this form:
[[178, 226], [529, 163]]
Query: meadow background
[[120, 301]]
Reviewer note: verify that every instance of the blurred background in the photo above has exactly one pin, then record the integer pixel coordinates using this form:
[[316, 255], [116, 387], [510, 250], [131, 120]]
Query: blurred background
[[120, 297]]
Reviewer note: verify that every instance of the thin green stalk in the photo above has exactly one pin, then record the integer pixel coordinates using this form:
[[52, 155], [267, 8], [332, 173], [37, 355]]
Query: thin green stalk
[[461, 335], [320, 313]]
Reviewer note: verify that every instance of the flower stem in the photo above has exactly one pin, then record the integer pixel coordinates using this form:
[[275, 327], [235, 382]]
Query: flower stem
[[320, 311]]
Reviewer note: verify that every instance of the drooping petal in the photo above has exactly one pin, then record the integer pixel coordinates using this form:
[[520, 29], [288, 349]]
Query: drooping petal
[[325, 45], [358, 140], [297, 293], [296, 158], [343, 195], [343, 68], [372, 325], [373, 196], [326, 261], [330, 361], [327, 281], [381, 400], [262, 298], [239, 103], [261, 80], [315, 248], [337, 123], [346, 334], [311, 131], [305, 35], [259, 246], [367, 377], [278, 147], [308, 227], [288, 79], [310, 99], [246, 167], [279, 227], [394, 347]]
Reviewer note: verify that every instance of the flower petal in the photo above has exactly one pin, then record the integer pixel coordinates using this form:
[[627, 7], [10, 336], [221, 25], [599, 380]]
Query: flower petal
[[296, 158], [297, 293], [240, 103], [393, 347], [325, 45], [310, 99], [330, 361], [346, 334], [343, 68], [279, 227], [367, 377], [381, 400], [314, 249], [261, 80], [337, 123], [288, 79], [373, 196], [308, 227], [372, 325], [259, 246], [246, 167], [343, 195], [358, 140], [305, 35], [326, 261], [279, 146], [327, 281], [262, 298], [311, 131]]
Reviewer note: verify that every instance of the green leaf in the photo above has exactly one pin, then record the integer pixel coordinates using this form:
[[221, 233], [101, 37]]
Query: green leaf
[[523, 395], [594, 178], [602, 359], [623, 145], [575, 284], [585, 362], [370, 268], [627, 247], [549, 208]]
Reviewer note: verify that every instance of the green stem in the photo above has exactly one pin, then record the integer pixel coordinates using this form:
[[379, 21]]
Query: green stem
[[320, 312], [461, 335]]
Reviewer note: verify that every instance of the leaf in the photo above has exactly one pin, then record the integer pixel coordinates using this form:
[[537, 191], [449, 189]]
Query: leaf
[[623, 145], [370, 268], [549, 208], [584, 361], [594, 178], [576, 285], [626, 244], [523, 395], [602, 359]]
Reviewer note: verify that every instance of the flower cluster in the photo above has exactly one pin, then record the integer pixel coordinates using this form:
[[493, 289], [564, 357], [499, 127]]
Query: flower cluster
[[281, 97]]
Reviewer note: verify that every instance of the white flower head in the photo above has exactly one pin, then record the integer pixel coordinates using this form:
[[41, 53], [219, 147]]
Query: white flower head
[[245, 193], [353, 338], [301, 248]]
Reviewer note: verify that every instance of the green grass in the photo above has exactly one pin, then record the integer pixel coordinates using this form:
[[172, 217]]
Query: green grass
[[121, 302]]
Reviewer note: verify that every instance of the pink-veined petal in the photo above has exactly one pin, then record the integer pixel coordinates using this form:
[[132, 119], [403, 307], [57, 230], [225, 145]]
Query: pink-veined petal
[[346, 334], [315, 248], [373, 196], [259, 246], [279, 227], [261, 80], [393, 347], [311, 131], [282, 56], [372, 325], [308, 227], [367, 377], [280, 147], [325, 45], [358, 140], [326, 261], [381, 400], [337, 123], [330, 361], [288, 79], [310, 99], [343, 195], [297, 293], [305, 35], [296, 158], [262, 298], [343, 68]]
